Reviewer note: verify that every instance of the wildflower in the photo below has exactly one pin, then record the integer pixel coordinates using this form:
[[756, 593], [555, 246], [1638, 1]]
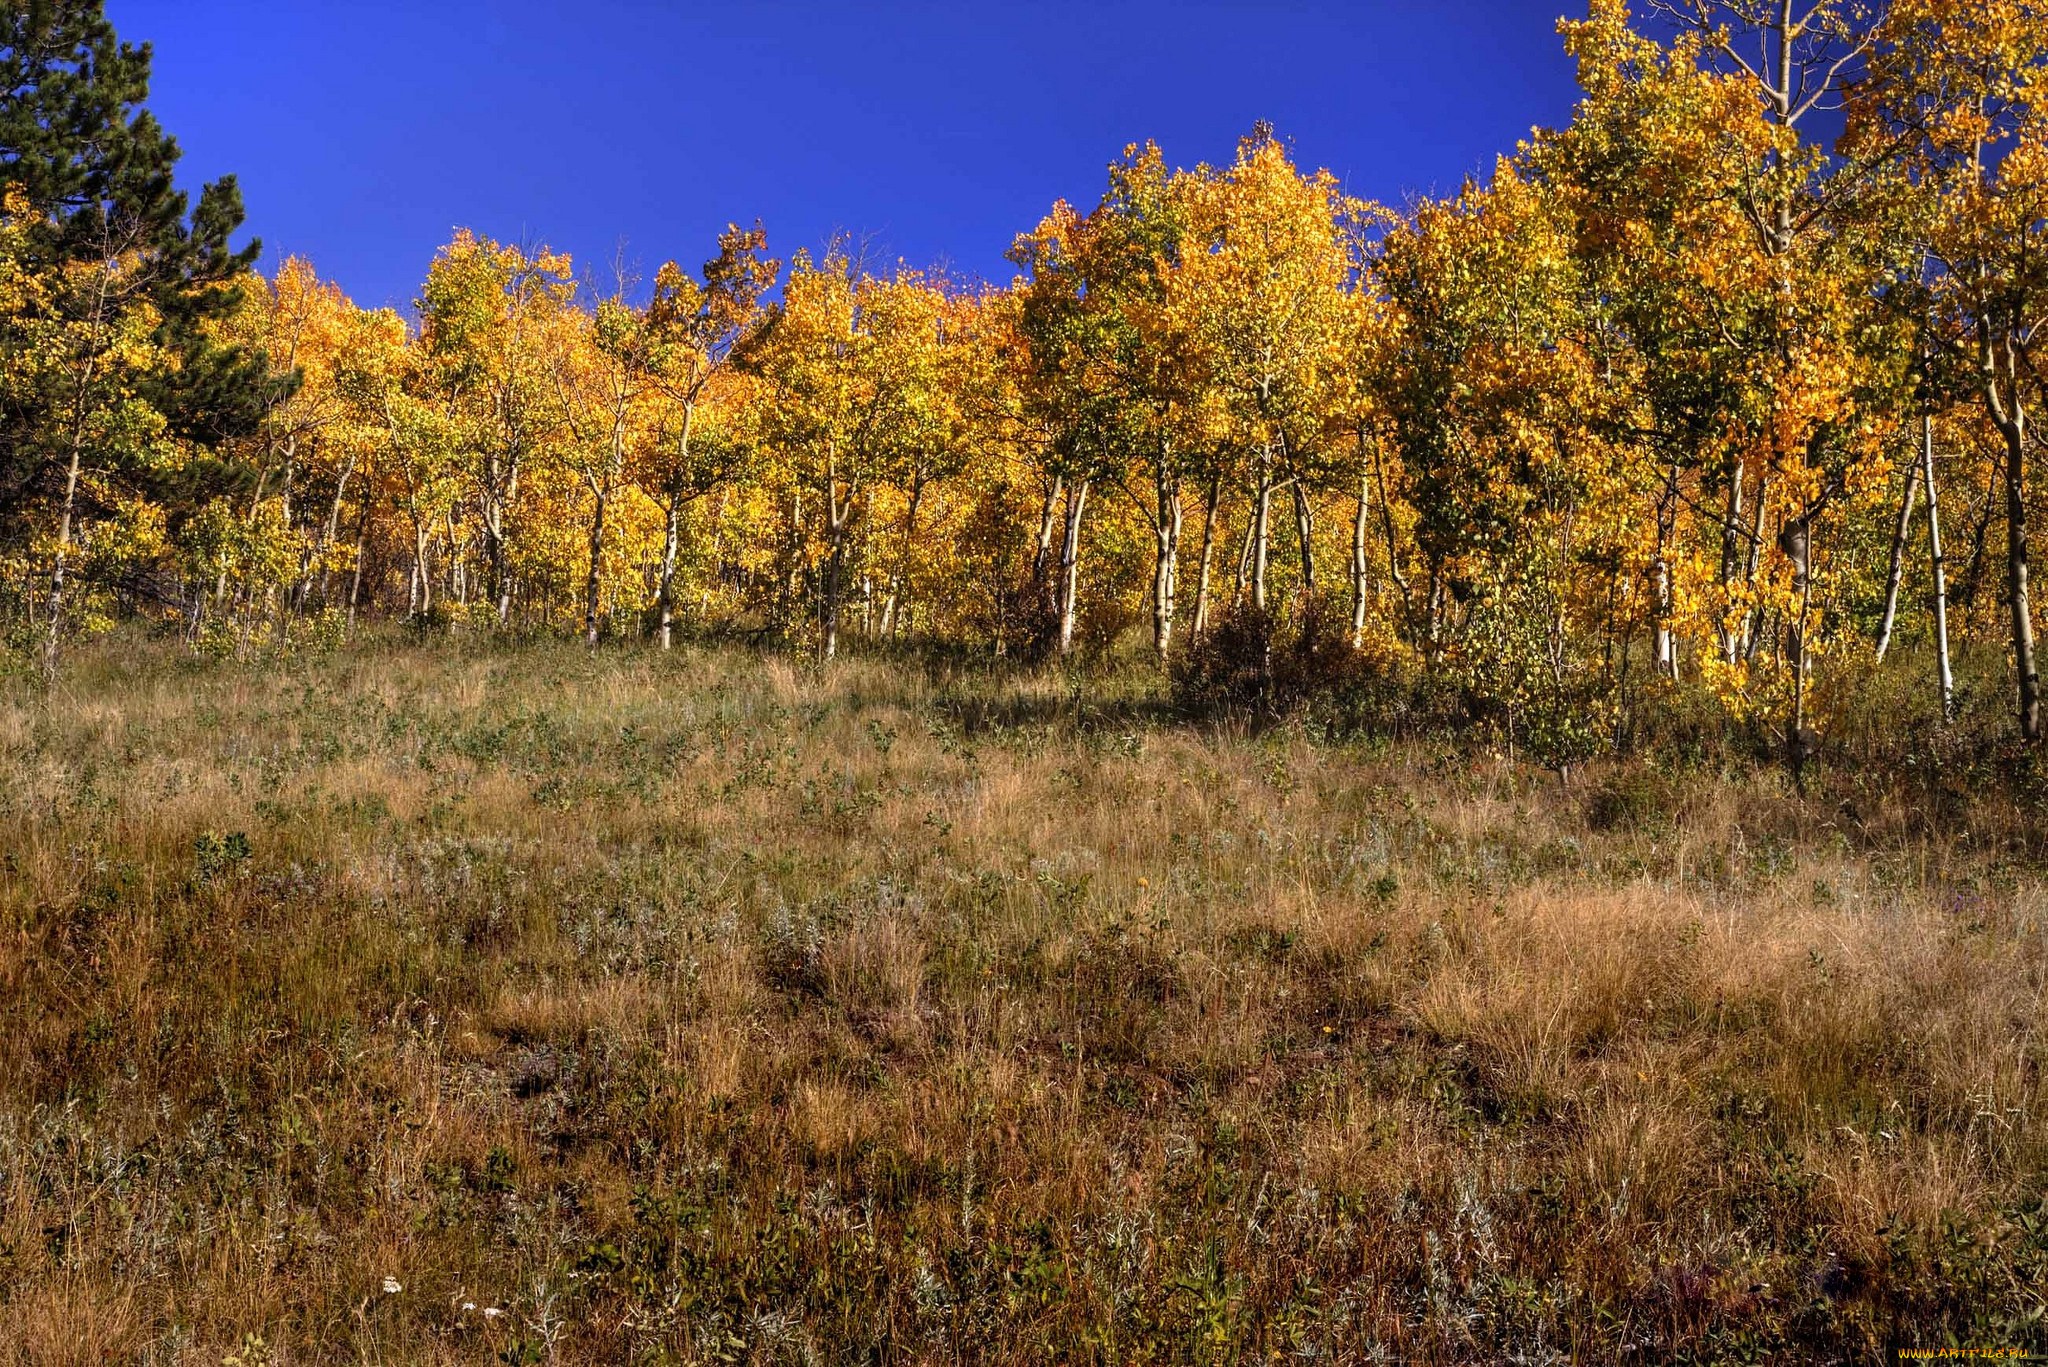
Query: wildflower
[[392, 1286], [492, 1312], [1144, 882]]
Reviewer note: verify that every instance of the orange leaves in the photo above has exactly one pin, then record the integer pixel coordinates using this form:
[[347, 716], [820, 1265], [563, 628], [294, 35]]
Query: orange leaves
[[856, 370], [693, 328], [1567, 411], [1261, 292], [1494, 390]]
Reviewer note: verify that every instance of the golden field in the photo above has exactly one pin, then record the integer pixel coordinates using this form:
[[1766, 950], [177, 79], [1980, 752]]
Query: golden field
[[437, 1004]]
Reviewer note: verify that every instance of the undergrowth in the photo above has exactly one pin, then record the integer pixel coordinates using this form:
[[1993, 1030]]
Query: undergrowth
[[421, 1003]]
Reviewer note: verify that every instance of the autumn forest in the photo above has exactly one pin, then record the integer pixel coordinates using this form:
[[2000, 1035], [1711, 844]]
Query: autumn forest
[[1453, 780], [1679, 392]]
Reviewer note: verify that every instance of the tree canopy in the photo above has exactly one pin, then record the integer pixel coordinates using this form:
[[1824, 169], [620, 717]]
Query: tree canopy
[[1656, 406]]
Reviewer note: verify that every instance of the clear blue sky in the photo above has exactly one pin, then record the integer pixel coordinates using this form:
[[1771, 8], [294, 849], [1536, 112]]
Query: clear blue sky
[[365, 131]]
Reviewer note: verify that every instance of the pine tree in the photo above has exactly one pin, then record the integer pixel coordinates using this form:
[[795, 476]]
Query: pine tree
[[133, 273]]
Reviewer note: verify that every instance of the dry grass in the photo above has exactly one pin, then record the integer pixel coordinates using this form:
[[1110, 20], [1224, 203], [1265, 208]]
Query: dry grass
[[704, 1009]]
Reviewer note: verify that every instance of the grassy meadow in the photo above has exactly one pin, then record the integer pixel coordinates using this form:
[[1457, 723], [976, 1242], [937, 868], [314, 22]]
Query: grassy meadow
[[451, 1004]]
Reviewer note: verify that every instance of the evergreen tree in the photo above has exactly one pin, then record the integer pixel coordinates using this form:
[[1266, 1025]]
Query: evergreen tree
[[121, 256]]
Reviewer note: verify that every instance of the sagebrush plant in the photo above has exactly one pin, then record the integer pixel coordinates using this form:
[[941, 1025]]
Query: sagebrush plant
[[418, 1002]]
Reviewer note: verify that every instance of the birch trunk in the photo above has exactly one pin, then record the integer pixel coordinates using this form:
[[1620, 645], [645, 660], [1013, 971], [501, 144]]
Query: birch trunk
[[838, 526], [593, 583], [665, 591], [1667, 658], [1358, 562], [1939, 569], [326, 538], [1070, 564], [1042, 580], [1201, 622], [1796, 541], [1896, 573], [1305, 536], [671, 535], [1394, 572], [501, 486], [1166, 554], [59, 565], [2016, 575], [423, 584], [1667, 648], [1752, 631], [1262, 516], [355, 583], [2009, 416]]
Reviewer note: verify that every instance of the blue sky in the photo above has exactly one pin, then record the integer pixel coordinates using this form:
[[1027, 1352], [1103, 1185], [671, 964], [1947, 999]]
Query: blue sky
[[365, 131]]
